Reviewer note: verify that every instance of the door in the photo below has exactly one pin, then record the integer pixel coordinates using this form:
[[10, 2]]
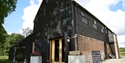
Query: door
[[57, 50]]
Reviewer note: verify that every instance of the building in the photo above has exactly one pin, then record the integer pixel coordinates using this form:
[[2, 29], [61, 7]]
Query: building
[[62, 28]]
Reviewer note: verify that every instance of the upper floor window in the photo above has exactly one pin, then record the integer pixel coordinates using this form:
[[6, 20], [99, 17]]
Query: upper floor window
[[82, 13], [106, 31], [102, 29], [84, 20], [94, 24]]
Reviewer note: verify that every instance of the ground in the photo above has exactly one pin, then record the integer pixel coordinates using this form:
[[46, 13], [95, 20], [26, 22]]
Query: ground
[[121, 60]]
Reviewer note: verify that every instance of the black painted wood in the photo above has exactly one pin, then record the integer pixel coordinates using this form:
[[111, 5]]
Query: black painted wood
[[66, 47]]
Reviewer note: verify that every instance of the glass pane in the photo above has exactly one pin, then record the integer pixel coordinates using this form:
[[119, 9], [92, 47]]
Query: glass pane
[[56, 50], [84, 20]]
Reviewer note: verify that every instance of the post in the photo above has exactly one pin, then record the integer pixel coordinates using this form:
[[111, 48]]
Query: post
[[33, 47], [116, 47], [66, 47], [105, 49]]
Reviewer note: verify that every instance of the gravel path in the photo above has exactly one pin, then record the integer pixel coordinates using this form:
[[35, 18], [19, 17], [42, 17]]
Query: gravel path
[[122, 60]]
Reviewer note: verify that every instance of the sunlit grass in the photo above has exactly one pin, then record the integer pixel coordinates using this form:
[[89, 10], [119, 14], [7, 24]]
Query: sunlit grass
[[3, 57], [122, 53]]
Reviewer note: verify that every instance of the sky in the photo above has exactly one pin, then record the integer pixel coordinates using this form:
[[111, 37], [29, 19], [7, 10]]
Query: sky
[[110, 12]]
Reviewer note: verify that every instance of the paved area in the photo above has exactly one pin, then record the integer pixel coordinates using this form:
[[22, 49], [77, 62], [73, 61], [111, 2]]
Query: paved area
[[122, 60]]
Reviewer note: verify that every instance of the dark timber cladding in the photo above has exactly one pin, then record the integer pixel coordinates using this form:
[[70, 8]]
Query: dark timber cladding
[[87, 24], [53, 20]]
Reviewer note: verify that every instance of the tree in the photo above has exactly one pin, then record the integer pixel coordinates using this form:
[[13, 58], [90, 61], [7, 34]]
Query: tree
[[27, 31], [10, 41], [6, 7], [3, 35]]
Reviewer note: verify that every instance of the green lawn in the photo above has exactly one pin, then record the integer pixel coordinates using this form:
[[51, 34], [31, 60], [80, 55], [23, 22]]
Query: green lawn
[[122, 53], [5, 61], [3, 57]]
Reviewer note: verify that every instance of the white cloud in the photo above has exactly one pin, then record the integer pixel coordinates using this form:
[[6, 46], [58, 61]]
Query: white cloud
[[121, 40], [30, 13]]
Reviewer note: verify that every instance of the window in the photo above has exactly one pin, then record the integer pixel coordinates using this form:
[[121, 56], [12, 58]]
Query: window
[[94, 24], [106, 30], [102, 29], [82, 13], [84, 20]]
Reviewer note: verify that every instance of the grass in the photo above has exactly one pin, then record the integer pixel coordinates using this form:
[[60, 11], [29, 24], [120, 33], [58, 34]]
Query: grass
[[3, 57], [122, 53], [5, 61]]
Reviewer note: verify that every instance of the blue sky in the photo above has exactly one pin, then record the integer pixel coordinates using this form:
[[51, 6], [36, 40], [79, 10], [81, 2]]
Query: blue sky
[[119, 5], [110, 12], [13, 23]]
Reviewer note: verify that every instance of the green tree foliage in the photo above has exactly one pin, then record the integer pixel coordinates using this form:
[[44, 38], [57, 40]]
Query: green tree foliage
[[3, 35], [6, 7], [10, 41]]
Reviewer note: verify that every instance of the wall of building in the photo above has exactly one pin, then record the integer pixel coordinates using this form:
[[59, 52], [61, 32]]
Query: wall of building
[[90, 26], [53, 18], [109, 50], [26, 44], [87, 45]]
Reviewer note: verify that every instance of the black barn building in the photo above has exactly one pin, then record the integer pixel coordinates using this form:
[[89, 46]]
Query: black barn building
[[62, 27]]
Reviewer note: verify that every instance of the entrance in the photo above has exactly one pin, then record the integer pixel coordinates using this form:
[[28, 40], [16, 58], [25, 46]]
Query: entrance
[[57, 50]]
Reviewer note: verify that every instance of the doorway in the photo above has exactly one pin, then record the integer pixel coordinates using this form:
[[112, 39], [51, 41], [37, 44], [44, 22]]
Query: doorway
[[57, 50]]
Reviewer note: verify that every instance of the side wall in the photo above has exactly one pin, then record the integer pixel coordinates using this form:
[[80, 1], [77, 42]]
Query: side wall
[[92, 34], [89, 25], [87, 45]]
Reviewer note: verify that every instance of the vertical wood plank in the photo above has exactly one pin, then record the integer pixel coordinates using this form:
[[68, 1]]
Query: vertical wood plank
[[60, 50], [116, 46], [50, 53], [53, 50], [33, 48]]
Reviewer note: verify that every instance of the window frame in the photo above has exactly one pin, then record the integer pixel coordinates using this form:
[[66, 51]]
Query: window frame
[[84, 20], [95, 24]]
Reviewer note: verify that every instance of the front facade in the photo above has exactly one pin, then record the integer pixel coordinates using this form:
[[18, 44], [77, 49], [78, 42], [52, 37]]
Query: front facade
[[62, 27]]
